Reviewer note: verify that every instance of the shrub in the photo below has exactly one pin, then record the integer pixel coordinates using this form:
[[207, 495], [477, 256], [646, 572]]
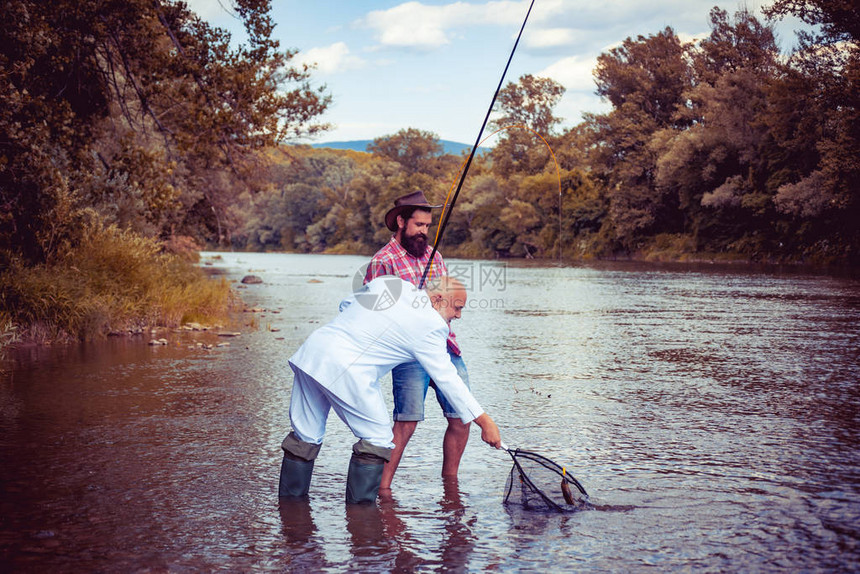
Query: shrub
[[112, 281]]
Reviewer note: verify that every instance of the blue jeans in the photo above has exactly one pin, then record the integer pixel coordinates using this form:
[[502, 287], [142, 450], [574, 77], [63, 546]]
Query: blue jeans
[[410, 383]]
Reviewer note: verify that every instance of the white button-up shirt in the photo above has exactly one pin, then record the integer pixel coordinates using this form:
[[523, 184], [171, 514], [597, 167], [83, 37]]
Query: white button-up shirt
[[386, 323]]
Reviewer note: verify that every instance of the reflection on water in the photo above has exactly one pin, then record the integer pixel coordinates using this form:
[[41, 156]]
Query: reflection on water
[[712, 415]]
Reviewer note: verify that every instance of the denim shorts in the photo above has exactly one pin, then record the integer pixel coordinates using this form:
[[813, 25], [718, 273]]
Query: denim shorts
[[410, 383]]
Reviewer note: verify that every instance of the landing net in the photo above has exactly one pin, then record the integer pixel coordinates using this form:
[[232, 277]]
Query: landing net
[[537, 483]]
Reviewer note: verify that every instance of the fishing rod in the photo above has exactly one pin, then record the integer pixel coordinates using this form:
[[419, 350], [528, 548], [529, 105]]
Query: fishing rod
[[450, 206]]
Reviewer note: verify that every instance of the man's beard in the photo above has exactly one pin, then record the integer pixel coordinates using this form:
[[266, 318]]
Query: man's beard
[[415, 245]]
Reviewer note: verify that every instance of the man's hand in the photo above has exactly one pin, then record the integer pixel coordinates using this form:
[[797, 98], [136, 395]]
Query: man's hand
[[489, 431]]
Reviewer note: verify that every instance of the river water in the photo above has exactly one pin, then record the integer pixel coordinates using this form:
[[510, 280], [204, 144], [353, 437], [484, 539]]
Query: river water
[[712, 413]]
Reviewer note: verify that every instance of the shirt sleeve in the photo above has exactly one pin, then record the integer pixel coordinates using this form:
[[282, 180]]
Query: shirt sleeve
[[347, 301], [432, 354], [378, 267]]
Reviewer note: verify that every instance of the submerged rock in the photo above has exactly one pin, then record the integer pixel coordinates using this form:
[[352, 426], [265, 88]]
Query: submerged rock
[[251, 280]]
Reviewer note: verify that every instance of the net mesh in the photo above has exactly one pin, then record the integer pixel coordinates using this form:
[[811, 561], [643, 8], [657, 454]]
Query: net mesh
[[535, 482]]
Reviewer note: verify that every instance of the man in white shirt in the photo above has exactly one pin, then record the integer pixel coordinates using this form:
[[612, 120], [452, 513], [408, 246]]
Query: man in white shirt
[[386, 323]]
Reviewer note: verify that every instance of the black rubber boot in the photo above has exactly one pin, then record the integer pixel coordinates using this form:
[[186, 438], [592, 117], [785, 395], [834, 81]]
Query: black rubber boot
[[362, 481], [365, 472], [295, 477], [297, 467]]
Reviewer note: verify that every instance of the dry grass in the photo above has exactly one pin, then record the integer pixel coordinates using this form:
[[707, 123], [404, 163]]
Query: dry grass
[[114, 281]]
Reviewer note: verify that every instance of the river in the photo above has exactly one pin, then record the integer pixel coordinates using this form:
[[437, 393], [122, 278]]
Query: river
[[712, 413]]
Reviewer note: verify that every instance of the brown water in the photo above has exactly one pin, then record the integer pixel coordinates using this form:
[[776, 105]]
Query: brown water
[[711, 413]]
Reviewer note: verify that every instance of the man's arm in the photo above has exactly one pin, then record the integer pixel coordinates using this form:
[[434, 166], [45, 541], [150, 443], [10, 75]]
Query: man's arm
[[433, 356], [430, 350]]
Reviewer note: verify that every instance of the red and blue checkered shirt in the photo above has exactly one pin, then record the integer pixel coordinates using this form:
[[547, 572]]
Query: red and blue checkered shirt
[[393, 259]]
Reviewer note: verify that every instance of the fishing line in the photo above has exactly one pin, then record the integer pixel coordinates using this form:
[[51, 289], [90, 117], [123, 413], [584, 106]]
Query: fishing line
[[557, 173], [450, 208], [535, 474]]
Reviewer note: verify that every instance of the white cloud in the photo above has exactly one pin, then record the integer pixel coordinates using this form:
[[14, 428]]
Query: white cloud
[[594, 23], [552, 23], [608, 13], [549, 38], [574, 73], [573, 104], [417, 25], [330, 59], [685, 38]]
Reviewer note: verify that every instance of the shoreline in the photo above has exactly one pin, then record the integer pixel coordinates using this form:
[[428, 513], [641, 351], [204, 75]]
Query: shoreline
[[23, 336], [843, 268]]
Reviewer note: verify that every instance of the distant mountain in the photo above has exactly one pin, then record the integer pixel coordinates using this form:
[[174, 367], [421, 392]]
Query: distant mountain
[[454, 148], [355, 145]]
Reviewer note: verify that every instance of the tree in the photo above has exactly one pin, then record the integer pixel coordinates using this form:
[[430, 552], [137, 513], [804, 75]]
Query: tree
[[647, 75], [716, 167], [645, 80], [524, 111], [529, 102], [413, 149], [839, 20], [824, 199], [91, 88]]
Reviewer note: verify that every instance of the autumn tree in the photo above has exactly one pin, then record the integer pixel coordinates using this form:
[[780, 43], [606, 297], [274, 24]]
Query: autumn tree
[[354, 223], [716, 166], [300, 192], [474, 226], [416, 150], [822, 197], [524, 114], [645, 81]]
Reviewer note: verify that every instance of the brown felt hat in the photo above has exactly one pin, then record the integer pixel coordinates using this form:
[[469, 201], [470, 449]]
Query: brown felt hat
[[414, 199]]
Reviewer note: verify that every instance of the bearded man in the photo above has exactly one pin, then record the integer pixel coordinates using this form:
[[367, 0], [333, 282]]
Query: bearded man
[[406, 256]]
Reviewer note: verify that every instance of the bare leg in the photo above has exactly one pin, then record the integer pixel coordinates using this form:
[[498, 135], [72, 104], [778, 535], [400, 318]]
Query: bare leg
[[402, 433], [453, 445]]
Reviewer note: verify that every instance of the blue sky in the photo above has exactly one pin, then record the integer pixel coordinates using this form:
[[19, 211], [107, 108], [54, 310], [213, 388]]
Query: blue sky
[[434, 65]]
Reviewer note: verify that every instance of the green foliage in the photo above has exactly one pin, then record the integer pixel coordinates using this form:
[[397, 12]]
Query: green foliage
[[669, 246], [112, 281], [717, 148], [140, 111], [121, 123], [334, 201], [142, 118]]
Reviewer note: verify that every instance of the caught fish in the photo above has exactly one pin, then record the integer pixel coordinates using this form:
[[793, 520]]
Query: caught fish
[[565, 488]]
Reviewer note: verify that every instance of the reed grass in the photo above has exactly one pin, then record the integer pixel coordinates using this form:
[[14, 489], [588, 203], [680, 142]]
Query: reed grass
[[113, 281], [8, 330]]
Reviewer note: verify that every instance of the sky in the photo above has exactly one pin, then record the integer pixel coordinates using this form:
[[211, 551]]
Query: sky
[[434, 65]]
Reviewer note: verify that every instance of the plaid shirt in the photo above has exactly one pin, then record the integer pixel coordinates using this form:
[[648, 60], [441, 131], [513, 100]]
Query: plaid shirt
[[393, 259]]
